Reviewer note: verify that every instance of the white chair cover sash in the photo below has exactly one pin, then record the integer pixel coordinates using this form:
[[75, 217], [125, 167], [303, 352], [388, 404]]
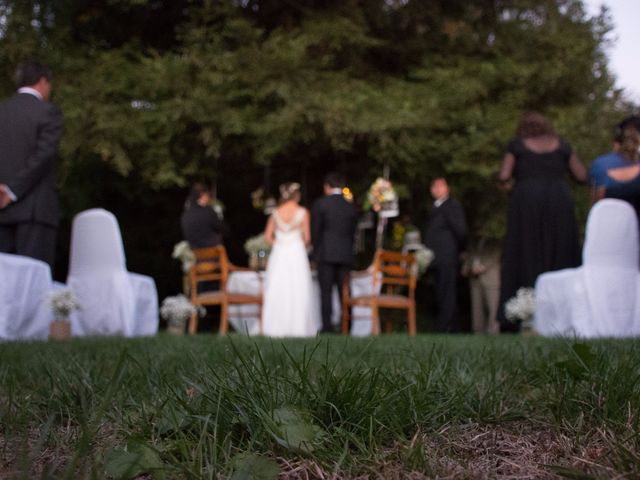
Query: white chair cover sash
[[601, 298], [107, 293], [24, 285]]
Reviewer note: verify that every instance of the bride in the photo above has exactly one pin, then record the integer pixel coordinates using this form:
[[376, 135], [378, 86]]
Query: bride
[[288, 289]]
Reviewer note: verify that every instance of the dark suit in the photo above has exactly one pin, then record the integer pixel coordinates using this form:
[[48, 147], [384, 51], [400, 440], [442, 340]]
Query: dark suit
[[445, 232], [333, 226], [201, 226], [30, 131]]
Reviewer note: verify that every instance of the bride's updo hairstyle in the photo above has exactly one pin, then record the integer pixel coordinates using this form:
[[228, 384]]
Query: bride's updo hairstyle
[[289, 191]]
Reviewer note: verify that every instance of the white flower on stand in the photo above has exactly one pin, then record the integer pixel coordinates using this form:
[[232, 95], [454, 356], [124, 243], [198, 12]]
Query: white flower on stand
[[182, 251], [62, 302], [522, 306], [176, 310]]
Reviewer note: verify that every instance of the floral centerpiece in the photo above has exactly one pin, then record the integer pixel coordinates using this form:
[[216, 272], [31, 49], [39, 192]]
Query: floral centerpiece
[[258, 250], [522, 307], [62, 302], [424, 256], [176, 311], [182, 251], [382, 198]]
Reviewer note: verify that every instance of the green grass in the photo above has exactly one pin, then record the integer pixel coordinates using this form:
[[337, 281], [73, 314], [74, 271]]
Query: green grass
[[391, 407]]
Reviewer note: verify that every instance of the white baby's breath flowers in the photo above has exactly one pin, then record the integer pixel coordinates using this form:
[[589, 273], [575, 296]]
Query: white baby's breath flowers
[[177, 309], [257, 244], [522, 306], [424, 257], [62, 302], [182, 251]]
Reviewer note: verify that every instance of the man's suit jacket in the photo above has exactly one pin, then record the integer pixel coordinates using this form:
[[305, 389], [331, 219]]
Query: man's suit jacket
[[30, 131], [446, 231], [333, 226]]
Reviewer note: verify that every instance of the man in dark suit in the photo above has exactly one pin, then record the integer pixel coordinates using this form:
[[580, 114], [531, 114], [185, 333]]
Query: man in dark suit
[[333, 226], [445, 233], [201, 225], [30, 131]]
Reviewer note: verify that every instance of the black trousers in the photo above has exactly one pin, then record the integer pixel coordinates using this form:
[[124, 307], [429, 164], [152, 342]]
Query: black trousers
[[33, 240], [445, 279], [330, 275]]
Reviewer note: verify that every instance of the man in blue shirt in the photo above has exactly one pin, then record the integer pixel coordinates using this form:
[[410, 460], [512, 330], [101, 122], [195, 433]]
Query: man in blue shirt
[[598, 178]]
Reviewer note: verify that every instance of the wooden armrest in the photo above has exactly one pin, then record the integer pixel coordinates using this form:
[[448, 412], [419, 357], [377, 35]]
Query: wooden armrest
[[235, 268]]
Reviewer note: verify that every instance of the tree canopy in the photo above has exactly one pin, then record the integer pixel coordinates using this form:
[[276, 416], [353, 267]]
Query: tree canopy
[[159, 93]]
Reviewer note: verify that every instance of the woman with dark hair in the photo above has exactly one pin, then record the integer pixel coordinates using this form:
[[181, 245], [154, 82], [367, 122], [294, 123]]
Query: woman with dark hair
[[542, 232]]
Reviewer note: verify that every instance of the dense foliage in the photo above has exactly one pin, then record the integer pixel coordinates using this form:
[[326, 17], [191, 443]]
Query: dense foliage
[[252, 92]]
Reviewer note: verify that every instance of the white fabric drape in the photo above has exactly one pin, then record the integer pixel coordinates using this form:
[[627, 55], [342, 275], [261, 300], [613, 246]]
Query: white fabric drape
[[113, 301], [24, 286], [602, 297]]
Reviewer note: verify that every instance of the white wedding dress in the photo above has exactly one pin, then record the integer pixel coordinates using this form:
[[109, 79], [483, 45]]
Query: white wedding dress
[[288, 297]]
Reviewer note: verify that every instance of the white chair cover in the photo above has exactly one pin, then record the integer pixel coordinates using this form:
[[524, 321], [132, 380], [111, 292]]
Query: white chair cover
[[24, 285], [108, 294], [601, 298]]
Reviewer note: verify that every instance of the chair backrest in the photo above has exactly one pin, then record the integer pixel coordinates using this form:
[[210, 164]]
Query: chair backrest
[[394, 270], [96, 243], [211, 265]]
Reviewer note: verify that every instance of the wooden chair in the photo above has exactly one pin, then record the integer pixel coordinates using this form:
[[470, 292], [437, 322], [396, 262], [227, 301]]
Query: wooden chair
[[213, 265], [393, 274]]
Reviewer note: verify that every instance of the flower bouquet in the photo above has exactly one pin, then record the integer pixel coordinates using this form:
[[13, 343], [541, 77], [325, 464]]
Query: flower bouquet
[[382, 198], [176, 311], [182, 251], [258, 250], [62, 302], [521, 308]]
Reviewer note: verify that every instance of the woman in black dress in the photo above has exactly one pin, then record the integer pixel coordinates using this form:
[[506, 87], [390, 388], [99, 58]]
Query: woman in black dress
[[542, 233]]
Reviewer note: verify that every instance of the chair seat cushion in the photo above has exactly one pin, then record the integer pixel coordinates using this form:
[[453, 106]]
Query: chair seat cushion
[[209, 298], [389, 301], [243, 298]]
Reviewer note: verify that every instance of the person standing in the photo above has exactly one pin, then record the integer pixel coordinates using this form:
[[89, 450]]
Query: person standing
[[542, 231], [201, 225], [288, 303], [30, 131], [445, 233], [333, 227]]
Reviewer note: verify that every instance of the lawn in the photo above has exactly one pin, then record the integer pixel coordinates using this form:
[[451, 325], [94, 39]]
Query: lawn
[[332, 407]]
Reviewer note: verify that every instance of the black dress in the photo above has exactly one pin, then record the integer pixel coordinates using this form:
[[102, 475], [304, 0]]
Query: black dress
[[542, 232]]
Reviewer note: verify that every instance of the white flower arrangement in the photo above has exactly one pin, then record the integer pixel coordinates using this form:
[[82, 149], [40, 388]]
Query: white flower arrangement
[[382, 198], [257, 244], [176, 310], [182, 251], [522, 306], [424, 257], [62, 302]]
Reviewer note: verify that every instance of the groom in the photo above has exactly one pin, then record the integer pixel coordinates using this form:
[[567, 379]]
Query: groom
[[333, 226]]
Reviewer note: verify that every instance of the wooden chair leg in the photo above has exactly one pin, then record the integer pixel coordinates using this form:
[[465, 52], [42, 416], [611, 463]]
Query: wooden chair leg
[[224, 318], [193, 324], [344, 326], [259, 319], [375, 320], [388, 327], [412, 319]]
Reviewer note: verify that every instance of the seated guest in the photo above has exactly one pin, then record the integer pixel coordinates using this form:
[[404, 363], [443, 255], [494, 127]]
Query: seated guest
[[201, 225], [602, 297]]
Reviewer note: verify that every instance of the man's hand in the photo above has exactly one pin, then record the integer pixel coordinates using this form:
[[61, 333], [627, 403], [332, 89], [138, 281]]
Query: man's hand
[[5, 199]]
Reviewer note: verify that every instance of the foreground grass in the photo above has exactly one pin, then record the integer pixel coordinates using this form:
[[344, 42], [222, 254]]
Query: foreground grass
[[392, 407]]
